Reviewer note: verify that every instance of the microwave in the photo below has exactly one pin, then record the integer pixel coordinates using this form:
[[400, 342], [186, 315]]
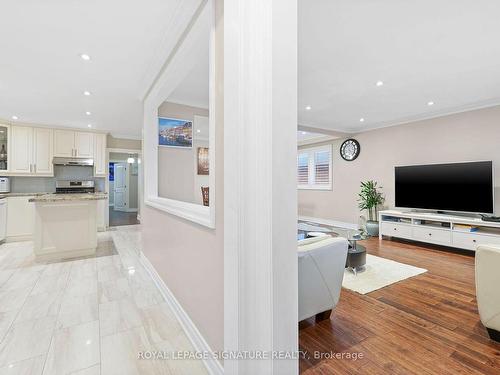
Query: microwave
[[4, 185]]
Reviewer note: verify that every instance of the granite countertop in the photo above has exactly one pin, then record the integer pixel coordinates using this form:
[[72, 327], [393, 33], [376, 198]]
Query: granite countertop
[[69, 197], [6, 195]]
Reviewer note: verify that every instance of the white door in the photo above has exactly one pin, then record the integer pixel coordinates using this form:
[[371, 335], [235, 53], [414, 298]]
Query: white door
[[43, 151], [84, 145], [120, 187], [21, 150], [64, 143]]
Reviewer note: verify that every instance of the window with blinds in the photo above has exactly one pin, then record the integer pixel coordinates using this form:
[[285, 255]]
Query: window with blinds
[[314, 168]]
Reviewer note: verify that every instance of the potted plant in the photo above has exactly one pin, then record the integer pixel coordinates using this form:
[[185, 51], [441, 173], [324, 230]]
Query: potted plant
[[369, 199]]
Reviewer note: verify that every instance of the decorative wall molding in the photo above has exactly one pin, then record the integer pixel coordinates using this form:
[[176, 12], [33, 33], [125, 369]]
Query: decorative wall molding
[[213, 366], [177, 67], [260, 184]]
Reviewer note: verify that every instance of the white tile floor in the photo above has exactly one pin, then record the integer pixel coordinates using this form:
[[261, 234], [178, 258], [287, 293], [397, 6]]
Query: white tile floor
[[88, 316]]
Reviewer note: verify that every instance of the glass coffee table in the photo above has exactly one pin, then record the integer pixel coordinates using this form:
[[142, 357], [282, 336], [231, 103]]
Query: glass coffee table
[[356, 254]]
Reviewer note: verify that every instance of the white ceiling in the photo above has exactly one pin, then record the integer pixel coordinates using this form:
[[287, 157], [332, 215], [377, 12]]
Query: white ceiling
[[194, 88], [445, 51], [42, 77]]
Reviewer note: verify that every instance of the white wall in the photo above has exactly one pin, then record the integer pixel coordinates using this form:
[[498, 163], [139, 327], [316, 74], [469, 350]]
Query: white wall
[[469, 136], [179, 179]]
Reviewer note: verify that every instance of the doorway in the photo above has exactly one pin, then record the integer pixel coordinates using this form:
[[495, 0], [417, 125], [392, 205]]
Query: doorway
[[123, 181]]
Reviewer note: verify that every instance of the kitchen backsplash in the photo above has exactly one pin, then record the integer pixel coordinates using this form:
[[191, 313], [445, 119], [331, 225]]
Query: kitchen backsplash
[[48, 184]]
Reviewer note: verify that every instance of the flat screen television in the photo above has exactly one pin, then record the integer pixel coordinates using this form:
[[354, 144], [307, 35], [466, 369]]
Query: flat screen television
[[464, 187]]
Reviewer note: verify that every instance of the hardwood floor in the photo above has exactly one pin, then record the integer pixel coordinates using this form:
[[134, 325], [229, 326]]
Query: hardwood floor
[[428, 324]]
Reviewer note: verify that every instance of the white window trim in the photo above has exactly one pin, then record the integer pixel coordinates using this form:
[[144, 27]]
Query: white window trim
[[174, 69], [312, 170]]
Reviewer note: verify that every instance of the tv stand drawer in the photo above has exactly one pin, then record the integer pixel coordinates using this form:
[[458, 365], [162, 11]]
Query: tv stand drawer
[[395, 230], [471, 241], [439, 236]]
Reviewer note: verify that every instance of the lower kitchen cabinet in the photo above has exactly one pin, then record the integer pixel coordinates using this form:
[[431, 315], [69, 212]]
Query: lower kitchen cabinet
[[20, 218]]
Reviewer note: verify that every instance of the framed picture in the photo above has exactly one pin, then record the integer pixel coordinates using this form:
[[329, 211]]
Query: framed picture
[[203, 164], [175, 132]]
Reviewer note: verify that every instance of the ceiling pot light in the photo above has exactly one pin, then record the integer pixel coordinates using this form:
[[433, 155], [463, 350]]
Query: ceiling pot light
[[308, 108], [380, 83], [361, 120], [86, 93], [85, 57], [198, 131], [304, 133], [88, 113], [89, 125], [431, 103], [14, 117], [130, 160]]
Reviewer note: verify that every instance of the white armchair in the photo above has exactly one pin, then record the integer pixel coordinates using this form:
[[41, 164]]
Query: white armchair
[[321, 271], [487, 288]]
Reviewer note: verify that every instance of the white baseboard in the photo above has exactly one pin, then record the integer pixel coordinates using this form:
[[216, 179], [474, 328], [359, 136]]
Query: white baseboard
[[21, 238], [213, 366], [334, 223], [132, 210]]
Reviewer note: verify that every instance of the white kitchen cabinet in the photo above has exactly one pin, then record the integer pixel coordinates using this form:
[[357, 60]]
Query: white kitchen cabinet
[[43, 151], [20, 218], [64, 143], [31, 151], [102, 205], [21, 150], [73, 144], [84, 145], [100, 155]]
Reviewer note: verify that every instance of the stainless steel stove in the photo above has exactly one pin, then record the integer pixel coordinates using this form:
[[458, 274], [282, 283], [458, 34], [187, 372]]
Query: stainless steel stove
[[74, 187]]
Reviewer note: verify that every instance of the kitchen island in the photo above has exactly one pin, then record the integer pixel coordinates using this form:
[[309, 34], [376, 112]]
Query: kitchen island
[[65, 225]]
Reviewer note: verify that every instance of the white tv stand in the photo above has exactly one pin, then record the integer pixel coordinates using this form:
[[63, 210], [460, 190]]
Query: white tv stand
[[440, 229]]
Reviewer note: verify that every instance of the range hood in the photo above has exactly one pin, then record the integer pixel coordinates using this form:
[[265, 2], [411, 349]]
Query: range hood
[[73, 161]]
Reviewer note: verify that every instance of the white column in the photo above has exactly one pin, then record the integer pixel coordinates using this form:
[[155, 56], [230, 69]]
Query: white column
[[260, 189]]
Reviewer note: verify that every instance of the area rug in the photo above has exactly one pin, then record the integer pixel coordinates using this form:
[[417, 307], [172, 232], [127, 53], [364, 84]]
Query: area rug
[[378, 273]]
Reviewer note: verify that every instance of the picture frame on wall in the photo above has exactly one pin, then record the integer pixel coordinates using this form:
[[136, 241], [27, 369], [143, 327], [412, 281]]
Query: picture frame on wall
[[175, 133], [203, 161]]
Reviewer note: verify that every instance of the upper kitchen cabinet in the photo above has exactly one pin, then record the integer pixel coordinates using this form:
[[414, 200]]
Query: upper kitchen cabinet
[[64, 143], [31, 151], [73, 144], [4, 147], [43, 151], [21, 150], [100, 155], [84, 145]]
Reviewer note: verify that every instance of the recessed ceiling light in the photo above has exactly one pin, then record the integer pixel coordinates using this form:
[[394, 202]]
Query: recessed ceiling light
[[14, 117], [85, 57], [308, 108], [361, 119], [304, 133], [380, 83], [89, 125], [88, 113], [430, 103], [198, 131], [86, 93]]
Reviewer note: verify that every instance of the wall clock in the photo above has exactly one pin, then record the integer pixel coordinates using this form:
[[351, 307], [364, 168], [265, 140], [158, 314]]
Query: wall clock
[[350, 149]]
